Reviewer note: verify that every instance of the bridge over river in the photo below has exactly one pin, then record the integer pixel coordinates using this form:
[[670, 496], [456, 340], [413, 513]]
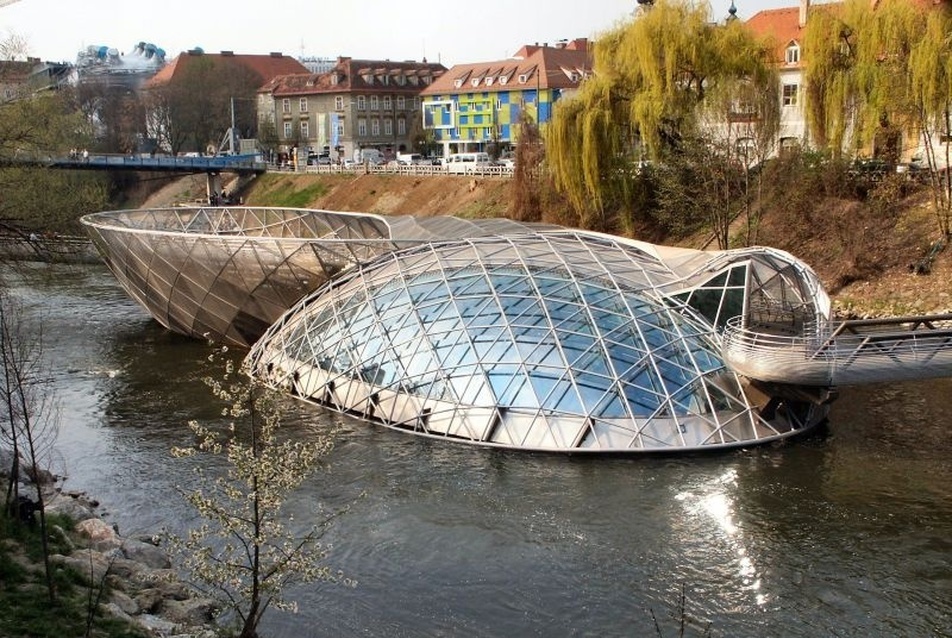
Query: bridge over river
[[212, 166]]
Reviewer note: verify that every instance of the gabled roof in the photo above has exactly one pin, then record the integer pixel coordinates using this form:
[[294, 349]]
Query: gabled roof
[[533, 66], [366, 76], [782, 25], [265, 66]]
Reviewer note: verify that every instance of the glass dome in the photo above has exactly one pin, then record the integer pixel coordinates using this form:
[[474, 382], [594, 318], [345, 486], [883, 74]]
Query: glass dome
[[561, 341]]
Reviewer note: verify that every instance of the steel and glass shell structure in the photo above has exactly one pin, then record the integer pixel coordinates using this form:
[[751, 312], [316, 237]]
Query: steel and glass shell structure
[[227, 273], [558, 340]]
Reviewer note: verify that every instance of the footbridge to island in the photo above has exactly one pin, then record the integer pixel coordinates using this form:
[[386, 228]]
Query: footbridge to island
[[211, 166], [842, 353]]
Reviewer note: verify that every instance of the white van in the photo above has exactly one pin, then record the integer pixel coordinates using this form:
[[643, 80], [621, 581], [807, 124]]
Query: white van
[[369, 156], [467, 162]]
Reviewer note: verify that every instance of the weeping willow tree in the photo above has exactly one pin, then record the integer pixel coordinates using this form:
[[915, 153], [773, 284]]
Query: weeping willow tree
[[930, 78], [651, 75], [876, 72]]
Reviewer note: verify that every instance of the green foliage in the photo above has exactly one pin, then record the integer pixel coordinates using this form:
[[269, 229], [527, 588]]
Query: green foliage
[[245, 553], [874, 74], [41, 198], [653, 79]]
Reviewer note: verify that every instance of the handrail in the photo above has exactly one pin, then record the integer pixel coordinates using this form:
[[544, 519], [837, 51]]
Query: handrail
[[842, 358]]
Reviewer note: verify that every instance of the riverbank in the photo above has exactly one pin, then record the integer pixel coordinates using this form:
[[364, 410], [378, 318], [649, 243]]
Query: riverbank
[[110, 584]]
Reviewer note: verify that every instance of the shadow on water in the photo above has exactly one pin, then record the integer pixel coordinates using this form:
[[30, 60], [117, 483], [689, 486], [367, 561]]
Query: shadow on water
[[844, 531]]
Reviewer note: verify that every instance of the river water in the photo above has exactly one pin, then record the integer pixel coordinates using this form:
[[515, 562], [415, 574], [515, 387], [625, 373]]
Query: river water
[[846, 531]]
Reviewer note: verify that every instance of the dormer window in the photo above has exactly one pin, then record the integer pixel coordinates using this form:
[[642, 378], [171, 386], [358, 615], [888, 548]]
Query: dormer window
[[488, 81], [474, 82], [427, 79], [503, 79], [522, 78], [792, 54], [458, 83], [334, 79]]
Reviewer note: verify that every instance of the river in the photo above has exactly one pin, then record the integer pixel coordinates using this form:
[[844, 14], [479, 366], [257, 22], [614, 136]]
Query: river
[[846, 531]]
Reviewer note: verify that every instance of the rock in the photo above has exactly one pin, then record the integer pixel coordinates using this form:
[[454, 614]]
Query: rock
[[92, 565], [149, 600], [124, 602], [69, 506], [194, 611], [97, 530], [146, 553], [174, 589], [156, 626], [114, 610]]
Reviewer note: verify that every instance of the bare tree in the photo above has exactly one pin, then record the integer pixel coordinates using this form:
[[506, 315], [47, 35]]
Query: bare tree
[[31, 415]]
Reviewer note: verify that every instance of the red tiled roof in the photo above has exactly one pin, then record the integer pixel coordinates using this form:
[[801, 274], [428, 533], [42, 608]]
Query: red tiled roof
[[265, 66], [544, 67], [782, 25], [357, 75]]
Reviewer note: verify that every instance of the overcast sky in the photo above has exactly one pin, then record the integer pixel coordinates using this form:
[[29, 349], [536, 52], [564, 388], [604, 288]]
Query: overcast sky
[[445, 32]]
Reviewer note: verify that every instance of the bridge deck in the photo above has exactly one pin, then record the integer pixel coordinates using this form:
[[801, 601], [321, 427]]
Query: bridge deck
[[852, 352], [102, 161]]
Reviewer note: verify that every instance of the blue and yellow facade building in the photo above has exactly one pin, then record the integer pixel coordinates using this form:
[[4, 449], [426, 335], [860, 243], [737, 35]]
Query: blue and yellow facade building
[[472, 106]]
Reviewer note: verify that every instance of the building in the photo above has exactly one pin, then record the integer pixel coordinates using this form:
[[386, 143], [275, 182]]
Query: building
[[216, 83], [785, 28], [358, 104], [476, 105], [19, 78]]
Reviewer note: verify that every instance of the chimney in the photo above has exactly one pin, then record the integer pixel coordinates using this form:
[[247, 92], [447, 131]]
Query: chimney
[[804, 10]]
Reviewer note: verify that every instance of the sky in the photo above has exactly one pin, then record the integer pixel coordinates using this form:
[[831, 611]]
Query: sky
[[56, 30]]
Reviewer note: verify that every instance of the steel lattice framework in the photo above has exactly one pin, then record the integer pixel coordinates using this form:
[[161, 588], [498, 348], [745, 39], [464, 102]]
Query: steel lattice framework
[[227, 273], [561, 341]]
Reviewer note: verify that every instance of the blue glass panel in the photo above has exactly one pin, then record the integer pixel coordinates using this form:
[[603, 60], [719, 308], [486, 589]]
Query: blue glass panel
[[611, 407], [641, 402], [593, 361]]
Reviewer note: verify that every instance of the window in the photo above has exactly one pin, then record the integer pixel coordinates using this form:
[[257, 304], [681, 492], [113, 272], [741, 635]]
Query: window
[[790, 94], [388, 126], [401, 103], [361, 103], [457, 83], [522, 78], [416, 103], [286, 105], [387, 103], [375, 126], [503, 79], [401, 127], [374, 103], [287, 130], [361, 127], [305, 129], [303, 105], [338, 102], [792, 54], [340, 129]]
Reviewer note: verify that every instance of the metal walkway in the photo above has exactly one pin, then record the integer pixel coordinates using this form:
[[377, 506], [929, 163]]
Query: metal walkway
[[849, 353]]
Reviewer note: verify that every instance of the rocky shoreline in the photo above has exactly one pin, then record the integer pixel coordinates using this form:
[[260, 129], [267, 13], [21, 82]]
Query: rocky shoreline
[[133, 576]]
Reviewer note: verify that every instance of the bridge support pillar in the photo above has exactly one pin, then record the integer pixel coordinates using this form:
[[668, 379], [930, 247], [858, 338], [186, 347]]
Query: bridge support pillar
[[213, 188]]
